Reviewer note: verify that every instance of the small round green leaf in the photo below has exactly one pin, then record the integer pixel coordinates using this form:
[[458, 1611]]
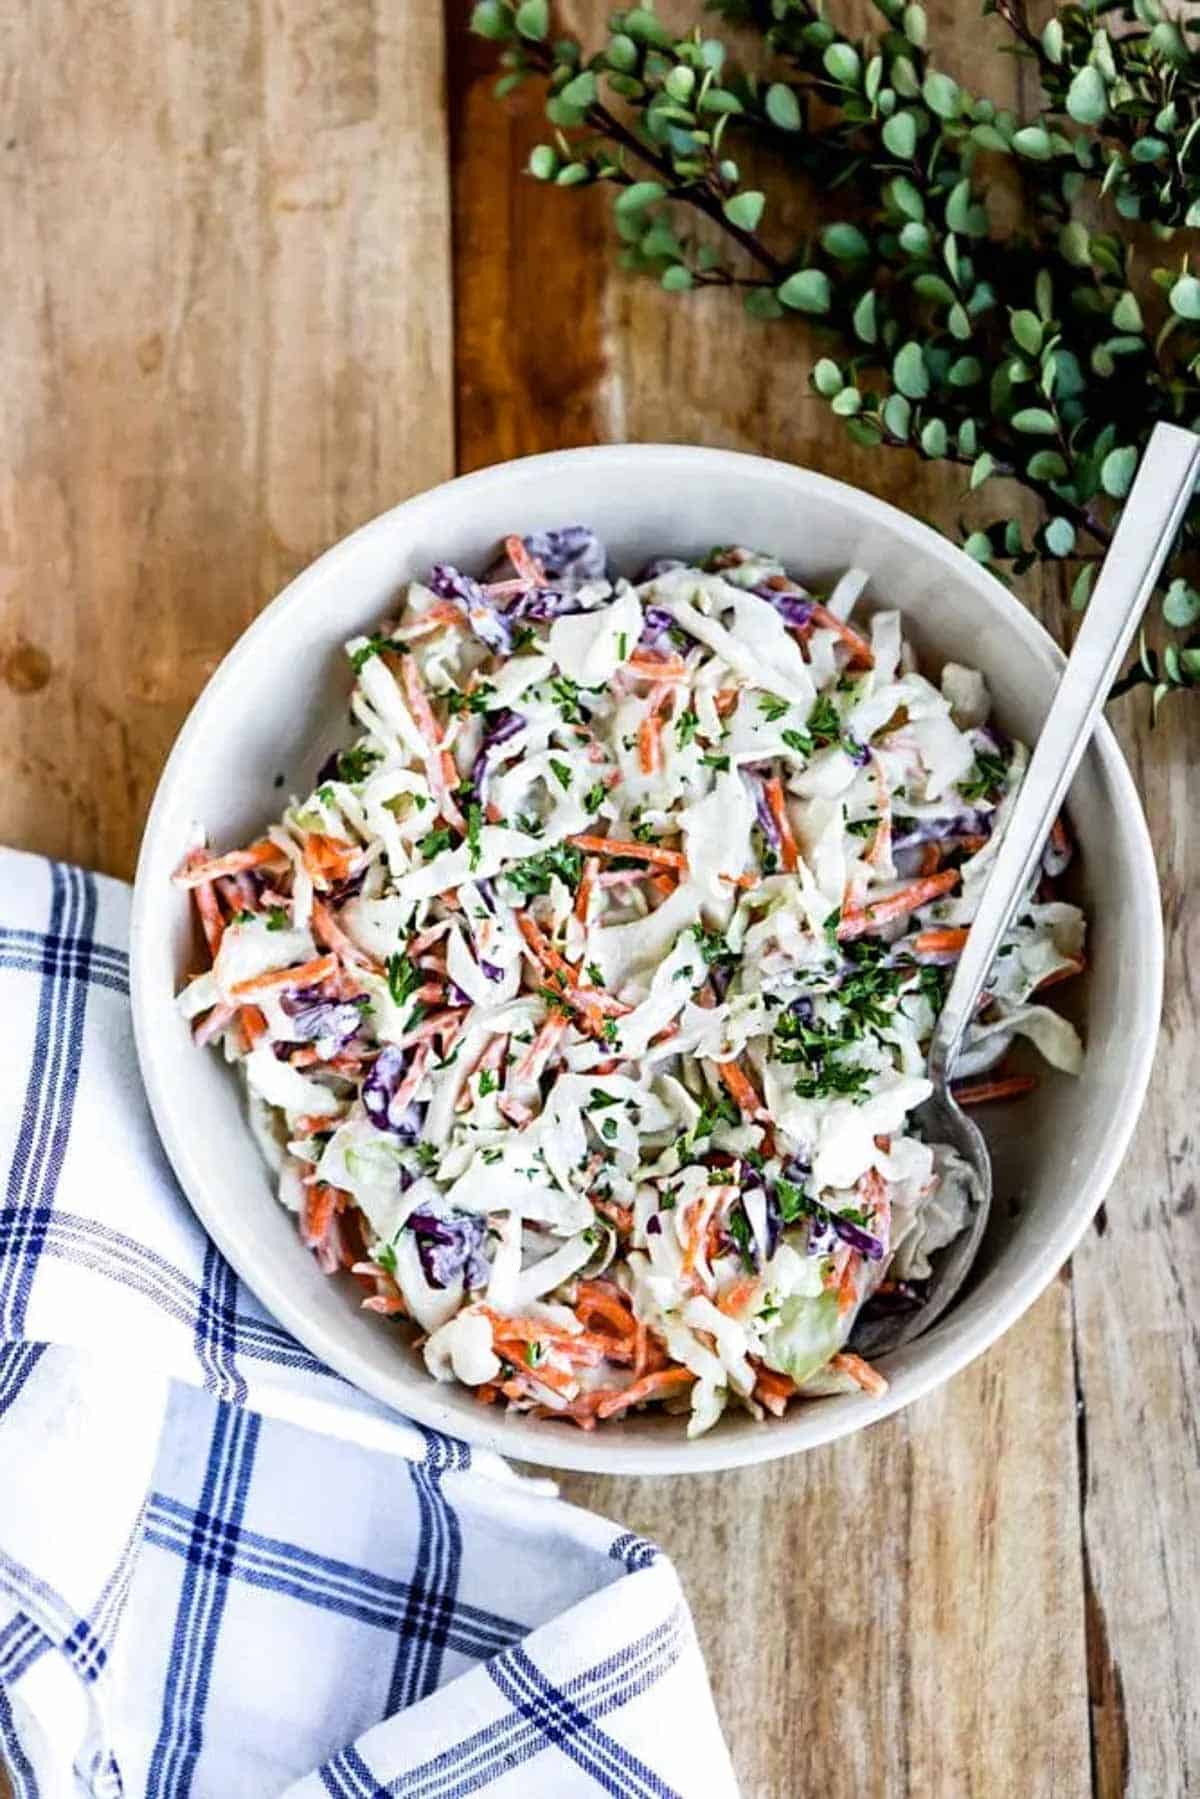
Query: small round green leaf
[[897, 415], [843, 64], [761, 303], [622, 52], [909, 371], [846, 242], [916, 25], [863, 318], [572, 174], [1127, 314], [1033, 141], [1074, 244], [1181, 607], [981, 469], [979, 546], [783, 108], [934, 438], [680, 83], [906, 198], [914, 239], [533, 19], [1117, 471], [1046, 465], [965, 371], [1053, 41], [1035, 421], [543, 162], [1081, 587], [492, 19], [581, 91], [1087, 96], [933, 287], [827, 377], [847, 403], [1185, 297], [1027, 330], [642, 193], [1060, 536], [941, 95], [900, 135], [745, 209], [808, 290]]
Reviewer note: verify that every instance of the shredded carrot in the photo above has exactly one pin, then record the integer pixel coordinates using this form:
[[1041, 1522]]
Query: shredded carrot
[[528, 568], [195, 874], [773, 1390], [583, 898], [847, 1290], [330, 935], [861, 652], [657, 668], [620, 1217], [1060, 836], [895, 905], [312, 1124], [327, 859], [304, 974], [868, 1378], [948, 942], [534, 1062], [592, 1299], [1076, 966], [253, 1024], [738, 1296], [725, 700], [211, 921], [620, 846], [415, 693], [773, 789], [650, 734], [979, 1093], [741, 1088], [747, 880], [651, 1386]]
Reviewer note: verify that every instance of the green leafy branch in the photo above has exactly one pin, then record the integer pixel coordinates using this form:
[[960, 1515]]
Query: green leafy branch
[[1043, 356]]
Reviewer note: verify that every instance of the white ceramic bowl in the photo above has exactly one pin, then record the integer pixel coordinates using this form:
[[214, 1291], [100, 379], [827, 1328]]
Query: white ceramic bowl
[[277, 704]]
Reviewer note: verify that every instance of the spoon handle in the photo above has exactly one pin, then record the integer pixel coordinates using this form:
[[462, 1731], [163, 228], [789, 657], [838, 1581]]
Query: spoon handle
[[1152, 515]]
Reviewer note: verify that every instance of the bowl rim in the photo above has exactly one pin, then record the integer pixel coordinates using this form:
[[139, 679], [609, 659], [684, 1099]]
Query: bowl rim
[[950, 1350]]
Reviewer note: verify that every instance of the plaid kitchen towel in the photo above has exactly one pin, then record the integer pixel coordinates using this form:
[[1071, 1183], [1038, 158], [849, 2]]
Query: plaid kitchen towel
[[223, 1572]]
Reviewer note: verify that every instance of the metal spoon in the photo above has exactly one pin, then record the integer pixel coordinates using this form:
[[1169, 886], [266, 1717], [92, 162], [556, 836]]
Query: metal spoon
[[1152, 515]]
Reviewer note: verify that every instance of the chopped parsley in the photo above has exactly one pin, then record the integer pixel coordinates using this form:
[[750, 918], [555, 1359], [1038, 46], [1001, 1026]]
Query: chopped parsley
[[862, 827], [595, 796], [800, 741], [846, 1079], [533, 874], [355, 764], [720, 763], [374, 646], [824, 721], [738, 1226], [565, 693], [474, 822], [986, 778], [686, 726], [427, 1156], [403, 978], [713, 947], [533, 1353], [600, 1100], [487, 1083], [608, 1129], [434, 842], [458, 702], [561, 772], [386, 1258], [772, 707], [793, 1201], [277, 919], [524, 638], [595, 974]]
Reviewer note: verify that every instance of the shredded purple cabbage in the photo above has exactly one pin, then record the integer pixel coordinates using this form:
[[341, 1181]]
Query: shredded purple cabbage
[[479, 609], [654, 1225], [450, 1247], [571, 553], [504, 725], [540, 604], [795, 609], [379, 1092], [937, 830], [859, 753], [316, 1019], [491, 970], [765, 817]]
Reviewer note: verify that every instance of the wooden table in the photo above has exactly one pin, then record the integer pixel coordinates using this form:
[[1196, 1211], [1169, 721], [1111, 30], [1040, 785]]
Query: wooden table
[[260, 284]]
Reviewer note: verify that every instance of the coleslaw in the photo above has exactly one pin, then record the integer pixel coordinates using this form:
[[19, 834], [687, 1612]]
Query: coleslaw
[[582, 1004]]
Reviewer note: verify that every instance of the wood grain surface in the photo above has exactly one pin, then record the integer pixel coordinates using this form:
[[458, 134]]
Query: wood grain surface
[[263, 282]]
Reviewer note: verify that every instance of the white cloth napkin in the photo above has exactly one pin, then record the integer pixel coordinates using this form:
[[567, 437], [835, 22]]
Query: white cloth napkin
[[223, 1572]]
